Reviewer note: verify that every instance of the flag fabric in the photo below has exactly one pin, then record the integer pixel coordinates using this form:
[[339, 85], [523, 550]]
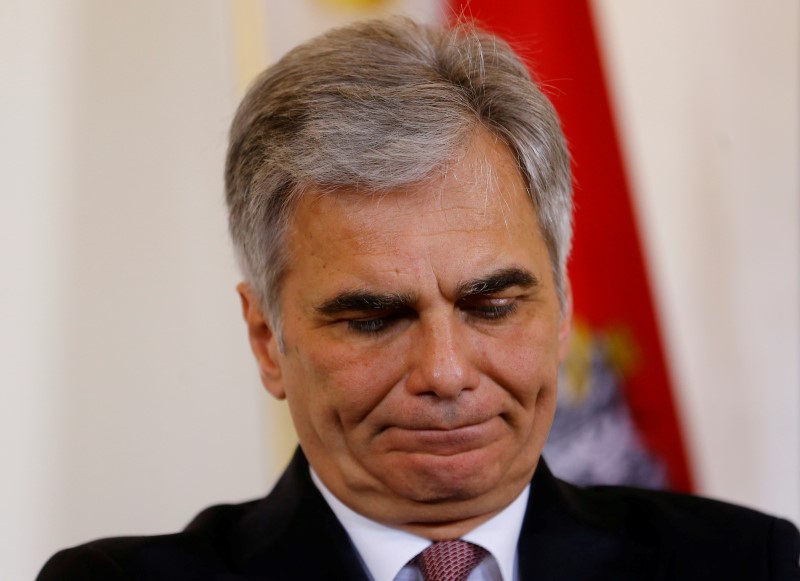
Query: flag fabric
[[617, 420]]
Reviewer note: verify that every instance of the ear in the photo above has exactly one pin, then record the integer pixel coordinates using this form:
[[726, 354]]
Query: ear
[[263, 341], [565, 326]]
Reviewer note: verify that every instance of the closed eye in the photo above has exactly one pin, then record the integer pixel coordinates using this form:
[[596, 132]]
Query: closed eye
[[490, 309], [369, 326], [365, 312], [495, 297], [494, 312], [376, 325]]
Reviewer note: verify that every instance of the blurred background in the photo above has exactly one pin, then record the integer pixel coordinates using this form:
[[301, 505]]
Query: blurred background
[[128, 396]]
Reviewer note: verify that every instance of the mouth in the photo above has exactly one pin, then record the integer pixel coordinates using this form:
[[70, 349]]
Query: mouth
[[442, 441]]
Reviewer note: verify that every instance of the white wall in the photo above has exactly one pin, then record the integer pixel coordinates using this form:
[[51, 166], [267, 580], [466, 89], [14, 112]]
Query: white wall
[[708, 101], [290, 23], [129, 400], [31, 169], [129, 397]]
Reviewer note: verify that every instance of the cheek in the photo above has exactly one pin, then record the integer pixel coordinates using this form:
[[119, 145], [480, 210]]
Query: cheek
[[530, 369], [341, 385]]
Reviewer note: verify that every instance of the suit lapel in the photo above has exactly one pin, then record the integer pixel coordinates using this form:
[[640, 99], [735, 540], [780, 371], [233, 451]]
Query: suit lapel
[[293, 534], [570, 534]]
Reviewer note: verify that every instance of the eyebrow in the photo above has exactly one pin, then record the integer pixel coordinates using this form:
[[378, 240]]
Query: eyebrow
[[349, 301], [497, 281], [354, 301]]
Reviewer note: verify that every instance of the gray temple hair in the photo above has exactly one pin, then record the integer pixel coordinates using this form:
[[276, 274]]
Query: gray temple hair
[[376, 106]]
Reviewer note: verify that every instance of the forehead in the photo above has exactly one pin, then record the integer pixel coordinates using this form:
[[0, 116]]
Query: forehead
[[426, 241]]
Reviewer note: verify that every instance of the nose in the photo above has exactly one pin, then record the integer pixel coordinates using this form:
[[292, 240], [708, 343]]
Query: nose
[[441, 363]]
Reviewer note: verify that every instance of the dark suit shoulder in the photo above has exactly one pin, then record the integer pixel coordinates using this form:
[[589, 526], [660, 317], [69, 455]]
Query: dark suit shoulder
[[670, 510], [702, 536]]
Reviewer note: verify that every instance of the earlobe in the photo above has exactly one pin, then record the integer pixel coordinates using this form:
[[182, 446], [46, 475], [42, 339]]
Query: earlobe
[[565, 326], [263, 341]]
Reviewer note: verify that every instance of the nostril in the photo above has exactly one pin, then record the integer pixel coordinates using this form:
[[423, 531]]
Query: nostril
[[440, 362]]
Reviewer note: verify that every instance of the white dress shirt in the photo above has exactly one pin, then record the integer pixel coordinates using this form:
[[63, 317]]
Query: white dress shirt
[[386, 551]]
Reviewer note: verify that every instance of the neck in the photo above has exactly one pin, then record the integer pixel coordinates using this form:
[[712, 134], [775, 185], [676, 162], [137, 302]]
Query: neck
[[457, 522], [444, 531]]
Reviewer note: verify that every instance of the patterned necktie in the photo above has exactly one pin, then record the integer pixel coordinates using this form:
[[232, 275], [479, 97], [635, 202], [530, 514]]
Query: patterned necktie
[[449, 560]]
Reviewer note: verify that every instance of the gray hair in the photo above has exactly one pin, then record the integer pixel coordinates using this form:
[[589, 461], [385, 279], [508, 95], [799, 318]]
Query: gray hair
[[380, 105]]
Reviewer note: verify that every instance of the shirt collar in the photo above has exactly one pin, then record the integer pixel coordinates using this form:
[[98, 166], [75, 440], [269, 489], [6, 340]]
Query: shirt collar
[[385, 550]]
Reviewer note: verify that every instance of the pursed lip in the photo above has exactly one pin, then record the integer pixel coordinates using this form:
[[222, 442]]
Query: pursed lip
[[442, 441]]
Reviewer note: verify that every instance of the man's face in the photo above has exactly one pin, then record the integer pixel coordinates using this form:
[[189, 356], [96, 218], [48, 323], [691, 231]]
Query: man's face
[[422, 335]]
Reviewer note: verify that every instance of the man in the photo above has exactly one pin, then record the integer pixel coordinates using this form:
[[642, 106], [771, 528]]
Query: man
[[400, 201]]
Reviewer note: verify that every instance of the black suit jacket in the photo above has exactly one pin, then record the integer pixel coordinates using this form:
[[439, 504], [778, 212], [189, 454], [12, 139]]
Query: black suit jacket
[[569, 533]]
